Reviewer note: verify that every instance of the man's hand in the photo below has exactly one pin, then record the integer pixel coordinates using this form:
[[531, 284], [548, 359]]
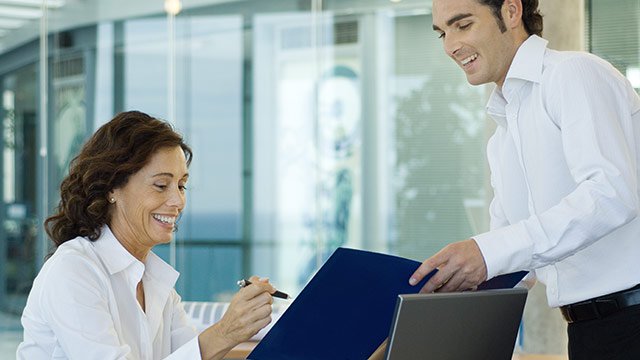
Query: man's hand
[[460, 267]]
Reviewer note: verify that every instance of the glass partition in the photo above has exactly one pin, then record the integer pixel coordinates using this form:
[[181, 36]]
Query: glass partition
[[314, 124], [19, 196], [360, 138], [619, 44]]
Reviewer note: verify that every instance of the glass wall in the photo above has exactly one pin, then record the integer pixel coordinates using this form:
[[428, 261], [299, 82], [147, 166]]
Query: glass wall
[[614, 34], [315, 124], [358, 138]]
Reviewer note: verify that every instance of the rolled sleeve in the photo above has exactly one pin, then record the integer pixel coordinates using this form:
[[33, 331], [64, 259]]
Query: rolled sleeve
[[190, 350]]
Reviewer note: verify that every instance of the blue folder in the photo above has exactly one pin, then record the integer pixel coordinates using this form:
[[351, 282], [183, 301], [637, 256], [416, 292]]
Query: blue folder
[[345, 311]]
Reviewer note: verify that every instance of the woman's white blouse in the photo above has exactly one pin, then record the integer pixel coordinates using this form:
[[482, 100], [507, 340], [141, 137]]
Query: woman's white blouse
[[83, 306]]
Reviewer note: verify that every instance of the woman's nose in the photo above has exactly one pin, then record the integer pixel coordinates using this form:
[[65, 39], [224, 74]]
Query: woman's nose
[[177, 198]]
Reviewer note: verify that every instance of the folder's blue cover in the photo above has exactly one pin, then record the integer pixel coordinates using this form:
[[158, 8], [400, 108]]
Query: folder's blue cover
[[345, 311]]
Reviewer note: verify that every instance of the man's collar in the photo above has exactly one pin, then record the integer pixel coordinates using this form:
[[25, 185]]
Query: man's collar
[[496, 107], [526, 66], [528, 61]]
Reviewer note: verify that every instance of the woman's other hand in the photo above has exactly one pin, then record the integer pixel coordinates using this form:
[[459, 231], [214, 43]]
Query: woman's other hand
[[248, 312]]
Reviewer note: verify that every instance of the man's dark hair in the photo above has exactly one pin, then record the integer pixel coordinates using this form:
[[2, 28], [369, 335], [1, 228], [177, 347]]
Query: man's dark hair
[[531, 16]]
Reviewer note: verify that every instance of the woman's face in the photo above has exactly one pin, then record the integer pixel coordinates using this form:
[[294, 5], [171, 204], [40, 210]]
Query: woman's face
[[147, 206]]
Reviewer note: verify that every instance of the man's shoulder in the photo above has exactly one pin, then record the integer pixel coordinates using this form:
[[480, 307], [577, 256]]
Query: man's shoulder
[[556, 59], [580, 66]]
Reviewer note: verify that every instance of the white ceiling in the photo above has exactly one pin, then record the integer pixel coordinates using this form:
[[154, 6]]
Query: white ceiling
[[20, 19], [17, 15]]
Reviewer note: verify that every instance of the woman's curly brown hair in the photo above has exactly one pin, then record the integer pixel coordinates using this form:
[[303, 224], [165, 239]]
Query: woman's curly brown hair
[[119, 149]]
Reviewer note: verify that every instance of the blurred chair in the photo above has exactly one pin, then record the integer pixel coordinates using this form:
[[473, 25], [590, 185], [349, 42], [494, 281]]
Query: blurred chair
[[204, 314]]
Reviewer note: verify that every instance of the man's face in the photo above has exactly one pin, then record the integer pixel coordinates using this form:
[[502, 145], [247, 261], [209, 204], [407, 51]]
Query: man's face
[[471, 36]]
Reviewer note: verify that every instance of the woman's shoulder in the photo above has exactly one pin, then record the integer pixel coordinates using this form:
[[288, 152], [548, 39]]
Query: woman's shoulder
[[73, 271], [74, 257], [76, 248]]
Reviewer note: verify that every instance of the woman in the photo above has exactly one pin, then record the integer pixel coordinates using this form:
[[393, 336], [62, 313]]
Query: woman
[[103, 294]]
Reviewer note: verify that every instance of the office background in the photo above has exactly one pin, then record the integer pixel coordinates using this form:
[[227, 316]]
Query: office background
[[315, 124]]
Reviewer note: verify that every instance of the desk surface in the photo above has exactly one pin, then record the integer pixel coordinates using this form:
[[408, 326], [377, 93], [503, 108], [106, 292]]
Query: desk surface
[[242, 351], [538, 357]]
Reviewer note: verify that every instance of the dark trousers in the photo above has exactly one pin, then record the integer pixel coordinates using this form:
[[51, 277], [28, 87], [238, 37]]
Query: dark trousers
[[615, 337]]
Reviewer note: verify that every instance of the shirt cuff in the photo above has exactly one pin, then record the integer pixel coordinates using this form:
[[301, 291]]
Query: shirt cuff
[[505, 250], [190, 350]]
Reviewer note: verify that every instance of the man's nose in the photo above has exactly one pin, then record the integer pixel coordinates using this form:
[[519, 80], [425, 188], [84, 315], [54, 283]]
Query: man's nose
[[451, 45]]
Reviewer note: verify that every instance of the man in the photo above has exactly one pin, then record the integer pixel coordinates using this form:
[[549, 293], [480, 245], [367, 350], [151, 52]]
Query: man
[[564, 169]]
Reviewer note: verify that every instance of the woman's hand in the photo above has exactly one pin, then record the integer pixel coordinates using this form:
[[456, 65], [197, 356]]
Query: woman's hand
[[248, 312]]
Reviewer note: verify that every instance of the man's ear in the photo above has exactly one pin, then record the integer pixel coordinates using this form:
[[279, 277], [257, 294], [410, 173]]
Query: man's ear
[[512, 13]]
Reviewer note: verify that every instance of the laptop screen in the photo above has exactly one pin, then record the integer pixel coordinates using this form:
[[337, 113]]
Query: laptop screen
[[466, 325]]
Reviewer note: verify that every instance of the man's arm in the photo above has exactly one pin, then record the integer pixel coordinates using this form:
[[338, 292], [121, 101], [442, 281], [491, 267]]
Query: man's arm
[[597, 128], [460, 267]]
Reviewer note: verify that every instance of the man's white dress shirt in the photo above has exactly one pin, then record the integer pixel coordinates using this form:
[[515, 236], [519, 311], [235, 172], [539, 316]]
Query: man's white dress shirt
[[564, 169], [83, 306]]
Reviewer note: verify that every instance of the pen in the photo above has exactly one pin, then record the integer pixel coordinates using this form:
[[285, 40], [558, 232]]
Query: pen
[[278, 294]]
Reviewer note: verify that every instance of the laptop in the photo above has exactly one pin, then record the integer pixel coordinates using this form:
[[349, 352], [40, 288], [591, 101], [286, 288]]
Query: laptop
[[456, 326]]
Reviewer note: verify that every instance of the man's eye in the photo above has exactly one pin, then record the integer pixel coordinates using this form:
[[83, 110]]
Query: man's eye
[[160, 186], [182, 187], [441, 36], [464, 27]]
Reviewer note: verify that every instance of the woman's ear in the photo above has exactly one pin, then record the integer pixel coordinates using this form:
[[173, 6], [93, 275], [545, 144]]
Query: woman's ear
[[111, 197]]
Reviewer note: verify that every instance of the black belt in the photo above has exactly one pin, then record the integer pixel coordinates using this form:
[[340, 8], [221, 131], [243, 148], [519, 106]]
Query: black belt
[[602, 306]]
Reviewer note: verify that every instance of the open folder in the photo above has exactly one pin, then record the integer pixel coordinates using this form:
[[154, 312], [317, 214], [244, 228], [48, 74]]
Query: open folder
[[345, 311]]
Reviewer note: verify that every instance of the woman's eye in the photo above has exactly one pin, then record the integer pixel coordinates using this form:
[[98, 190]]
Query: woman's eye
[[160, 186], [464, 27], [182, 188]]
